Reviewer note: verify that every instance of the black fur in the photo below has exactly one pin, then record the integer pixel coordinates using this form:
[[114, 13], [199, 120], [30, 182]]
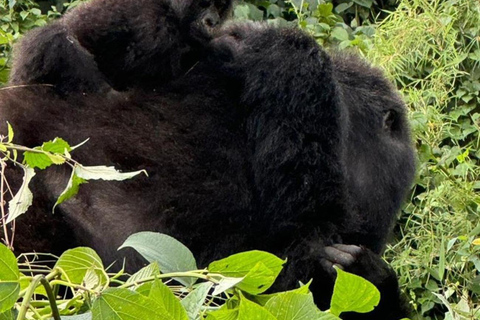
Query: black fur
[[118, 43], [272, 144]]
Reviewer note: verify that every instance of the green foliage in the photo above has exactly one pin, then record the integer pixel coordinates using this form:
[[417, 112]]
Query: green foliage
[[49, 153], [431, 50], [96, 294]]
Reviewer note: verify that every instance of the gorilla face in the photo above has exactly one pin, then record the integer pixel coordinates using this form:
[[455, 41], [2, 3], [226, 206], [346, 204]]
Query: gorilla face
[[202, 17]]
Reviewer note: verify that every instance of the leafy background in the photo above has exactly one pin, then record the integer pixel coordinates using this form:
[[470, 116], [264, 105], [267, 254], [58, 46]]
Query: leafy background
[[430, 49]]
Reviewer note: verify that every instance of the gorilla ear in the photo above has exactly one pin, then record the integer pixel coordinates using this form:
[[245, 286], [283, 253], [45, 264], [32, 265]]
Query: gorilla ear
[[390, 119]]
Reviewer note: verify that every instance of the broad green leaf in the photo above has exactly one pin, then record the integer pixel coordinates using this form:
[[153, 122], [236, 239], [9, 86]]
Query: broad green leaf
[[170, 254], [23, 198], [259, 269], [10, 132], [343, 6], [146, 272], [193, 302], [8, 315], [9, 279], [364, 3], [37, 160], [352, 293], [57, 145], [104, 173], [25, 282], [339, 34], [54, 148], [161, 294], [123, 304], [77, 263], [263, 298], [249, 310], [225, 284], [293, 306], [223, 314], [70, 190]]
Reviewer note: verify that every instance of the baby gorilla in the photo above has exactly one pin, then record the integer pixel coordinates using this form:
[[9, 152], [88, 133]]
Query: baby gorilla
[[118, 44]]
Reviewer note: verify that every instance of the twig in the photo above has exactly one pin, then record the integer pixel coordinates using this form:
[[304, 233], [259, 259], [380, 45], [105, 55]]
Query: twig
[[2, 205]]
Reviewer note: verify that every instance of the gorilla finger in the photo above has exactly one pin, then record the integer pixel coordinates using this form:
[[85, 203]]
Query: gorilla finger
[[337, 256], [349, 248]]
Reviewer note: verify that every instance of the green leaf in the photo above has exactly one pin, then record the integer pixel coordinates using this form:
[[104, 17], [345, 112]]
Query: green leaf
[[193, 302], [364, 3], [10, 132], [170, 254], [80, 262], [57, 145], [23, 198], [293, 306], [37, 160], [161, 294], [352, 293], [104, 173], [146, 272], [123, 304], [54, 148], [8, 315], [259, 269], [339, 34], [343, 6], [225, 284], [3, 147], [249, 310], [71, 189], [9, 279]]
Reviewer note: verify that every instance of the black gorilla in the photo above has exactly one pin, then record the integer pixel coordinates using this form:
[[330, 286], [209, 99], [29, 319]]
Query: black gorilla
[[271, 145], [118, 43]]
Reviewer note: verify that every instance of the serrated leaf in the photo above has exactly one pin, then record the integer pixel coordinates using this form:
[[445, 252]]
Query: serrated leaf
[[225, 284], [10, 132], [161, 294], [293, 306], [146, 272], [57, 145], [259, 269], [123, 304], [23, 198], [37, 160], [352, 293], [76, 263], [104, 173], [170, 254], [9, 279], [248, 310], [54, 148], [193, 302], [71, 189]]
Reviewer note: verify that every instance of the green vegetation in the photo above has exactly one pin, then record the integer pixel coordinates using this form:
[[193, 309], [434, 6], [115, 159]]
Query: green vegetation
[[431, 50], [237, 281]]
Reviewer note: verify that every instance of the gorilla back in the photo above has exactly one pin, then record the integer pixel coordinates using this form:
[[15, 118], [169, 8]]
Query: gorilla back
[[278, 147]]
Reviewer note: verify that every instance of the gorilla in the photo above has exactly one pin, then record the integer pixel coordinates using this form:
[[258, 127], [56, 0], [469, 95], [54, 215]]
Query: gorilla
[[277, 147], [118, 43]]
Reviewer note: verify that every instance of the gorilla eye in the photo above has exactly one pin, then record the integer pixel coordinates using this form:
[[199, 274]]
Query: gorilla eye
[[389, 119], [204, 3]]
